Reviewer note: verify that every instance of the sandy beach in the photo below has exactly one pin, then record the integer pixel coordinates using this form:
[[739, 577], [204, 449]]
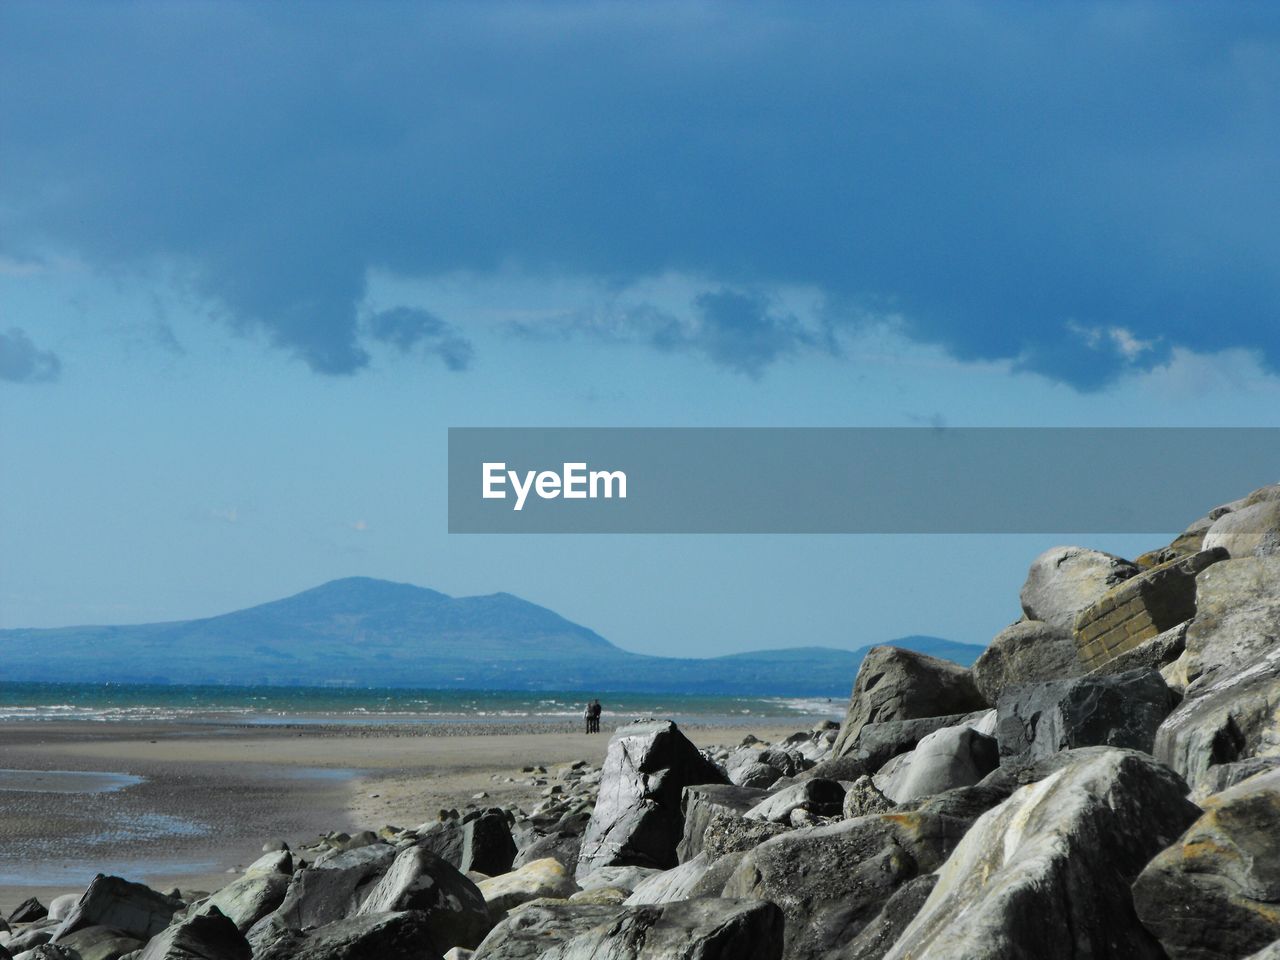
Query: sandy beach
[[188, 803]]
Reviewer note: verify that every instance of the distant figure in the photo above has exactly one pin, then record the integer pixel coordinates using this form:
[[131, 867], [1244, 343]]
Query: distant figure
[[593, 716], [586, 714]]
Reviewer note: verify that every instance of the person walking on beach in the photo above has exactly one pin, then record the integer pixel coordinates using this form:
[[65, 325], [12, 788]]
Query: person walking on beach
[[594, 710]]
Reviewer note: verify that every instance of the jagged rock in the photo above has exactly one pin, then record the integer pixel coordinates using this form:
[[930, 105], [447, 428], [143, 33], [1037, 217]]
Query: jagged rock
[[1120, 711], [705, 929], [131, 908], [247, 900], [729, 833], [562, 845], [674, 884], [874, 940], [487, 845], [755, 774], [823, 798], [1029, 651], [832, 880], [896, 684], [378, 936], [332, 890], [28, 910], [542, 878], [420, 881], [863, 799], [1046, 874], [47, 951], [1223, 776], [274, 861], [1063, 581], [99, 943], [209, 936], [528, 933], [1251, 531], [1159, 651], [1215, 893], [1237, 616], [444, 839], [945, 759], [621, 878], [878, 743], [700, 802], [845, 768], [637, 818], [29, 939]]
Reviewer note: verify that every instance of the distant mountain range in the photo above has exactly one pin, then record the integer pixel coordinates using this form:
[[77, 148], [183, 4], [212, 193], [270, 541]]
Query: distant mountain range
[[366, 632]]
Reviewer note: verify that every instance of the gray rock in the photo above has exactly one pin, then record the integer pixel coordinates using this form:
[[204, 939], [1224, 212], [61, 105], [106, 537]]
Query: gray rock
[[755, 774], [878, 743], [131, 908], [896, 684], [1029, 651], [1237, 617], [700, 802], [247, 900], [99, 943], [1223, 776], [822, 798], [875, 939], [618, 878], [487, 845], [1063, 581], [529, 932], [1215, 893], [677, 883], [28, 911], [945, 759], [637, 818], [1155, 653], [703, 929], [444, 839], [378, 936], [61, 906], [845, 768], [729, 833], [562, 845], [1251, 531], [1271, 952], [418, 880], [1046, 874], [1124, 710], [209, 936], [864, 799], [334, 889]]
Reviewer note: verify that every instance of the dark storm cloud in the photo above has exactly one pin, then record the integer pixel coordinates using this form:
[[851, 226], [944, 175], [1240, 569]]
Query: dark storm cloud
[[1001, 177], [21, 361]]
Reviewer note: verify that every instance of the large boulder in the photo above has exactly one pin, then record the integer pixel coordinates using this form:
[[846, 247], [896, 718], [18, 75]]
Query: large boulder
[[533, 881], [878, 743], [874, 940], [822, 798], [700, 802], [28, 911], [333, 889], [248, 899], [1029, 651], [1237, 616], [528, 933], [376, 936], [100, 943], [444, 839], [131, 908], [208, 936], [418, 880], [945, 759], [863, 798], [1063, 581], [1157, 652], [487, 846], [1046, 874], [1251, 531], [1216, 892], [637, 818], [729, 833], [897, 684], [1124, 710]]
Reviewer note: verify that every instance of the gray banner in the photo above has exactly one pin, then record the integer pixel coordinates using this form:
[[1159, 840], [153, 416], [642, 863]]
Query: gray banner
[[850, 480]]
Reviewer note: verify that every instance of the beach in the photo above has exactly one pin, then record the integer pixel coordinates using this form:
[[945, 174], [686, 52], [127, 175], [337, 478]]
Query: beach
[[185, 804]]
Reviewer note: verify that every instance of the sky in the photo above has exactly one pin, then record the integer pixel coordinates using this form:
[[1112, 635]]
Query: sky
[[256, 259]]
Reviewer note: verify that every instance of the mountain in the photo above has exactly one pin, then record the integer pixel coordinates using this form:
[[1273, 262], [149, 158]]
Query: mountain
[[366, 632]]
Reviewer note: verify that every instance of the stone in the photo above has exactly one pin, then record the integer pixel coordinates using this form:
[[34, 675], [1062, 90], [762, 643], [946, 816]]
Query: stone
[[1159, 651], [99, 943], [678, 883], [1046, 874], [878, 743], [541, 878], [1029, 651], [699, 802], [729, 833], [1237, 616], [637, 818], [1223, 776], [864, 799], [562, 845], [705, 929], [823, 798], [897, 684], [1271, 952], [247, 900], [418, 880], [276, 861], [755, 774], [530, 932], [332, 890], [379, 936], [208, 936], [620, 878], [1215, 893], [131, 908], [945, 759], [1124, 710], [874, 940], [1251, 531], [487, 845], [444, 839], [61, 906], [1063, 581], [28, 910]]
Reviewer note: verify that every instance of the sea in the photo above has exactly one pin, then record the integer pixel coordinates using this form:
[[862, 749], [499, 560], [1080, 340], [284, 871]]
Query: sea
[[279, 705]]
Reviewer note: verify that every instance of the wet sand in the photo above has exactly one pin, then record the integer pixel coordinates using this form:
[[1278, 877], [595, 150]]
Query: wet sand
[[211, 794]]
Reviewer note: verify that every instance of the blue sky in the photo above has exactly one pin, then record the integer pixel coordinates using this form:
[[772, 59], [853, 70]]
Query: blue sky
[[256, 259]]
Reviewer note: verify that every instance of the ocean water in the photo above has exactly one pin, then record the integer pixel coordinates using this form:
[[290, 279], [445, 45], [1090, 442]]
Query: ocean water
[[266, 705]]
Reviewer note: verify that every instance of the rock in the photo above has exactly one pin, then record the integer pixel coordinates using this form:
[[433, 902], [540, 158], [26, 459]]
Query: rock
[[1124, 710], [419, 881], [28, 939], [674, 884], [487, 845], [1159, 651], [621, 878], [637, 818], [875, 939], [830, 881], [729, 833], [945, 759], [610, 896], [209, 936], [1271, 952], [896, 684], [1223, 776], [823, 798], [542, 878], [60, 907], [1029, 651], [755, 774], [1140, 608], [863, 799], [333, 890], [846, 769], [275, 862], [379, 936], [1063, 581], [1251, 531], [698, 804], [528, 933], [128, 907], [246, 901], [1225, 718], [444, 839], [28, 911], [878, 743], [1237, 616], [99, 943], [459, 953], [1046, 874], [706, 929], [1216, 891], [274, 846], [562, 845]]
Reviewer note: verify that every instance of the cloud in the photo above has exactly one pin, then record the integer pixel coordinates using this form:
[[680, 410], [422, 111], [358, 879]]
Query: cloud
[[22, 362], [408, 328], [987, 173]]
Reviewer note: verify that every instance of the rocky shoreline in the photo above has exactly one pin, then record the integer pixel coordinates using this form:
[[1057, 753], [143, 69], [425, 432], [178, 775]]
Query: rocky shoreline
[[1104, 782]]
